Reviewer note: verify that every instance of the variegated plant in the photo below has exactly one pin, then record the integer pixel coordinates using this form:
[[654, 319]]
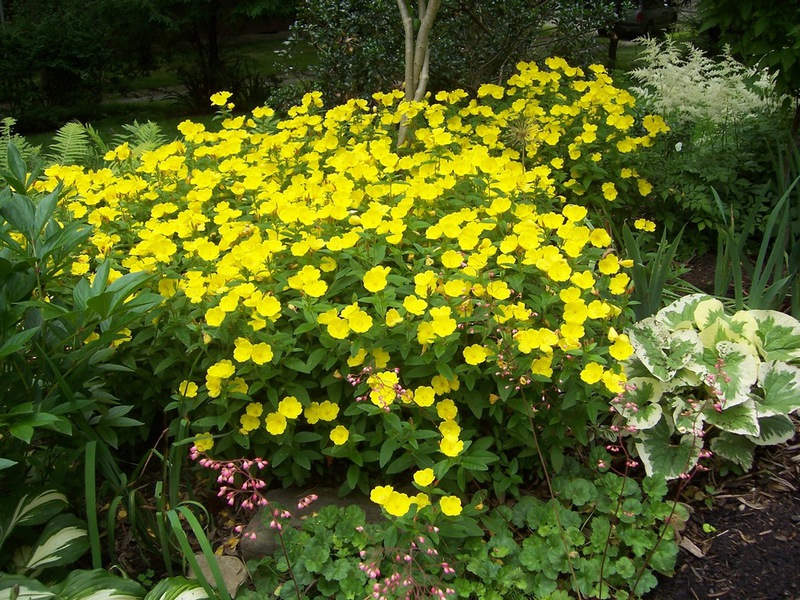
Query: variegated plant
[[701, 380]]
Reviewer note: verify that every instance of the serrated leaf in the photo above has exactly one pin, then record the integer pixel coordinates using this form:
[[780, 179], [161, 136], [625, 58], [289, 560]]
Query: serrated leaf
[[661, 456], [737, 372], [708, 311], [680, 314], [740, 419], [781, 387], [778, 335]]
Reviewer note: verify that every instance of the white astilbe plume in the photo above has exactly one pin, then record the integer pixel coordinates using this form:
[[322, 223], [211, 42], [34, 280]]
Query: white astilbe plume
[[688, 89]]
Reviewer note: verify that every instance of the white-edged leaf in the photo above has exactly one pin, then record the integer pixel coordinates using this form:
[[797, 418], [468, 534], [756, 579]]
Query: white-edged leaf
[[778, 335], [740, 419], [29, 589], [177, 588], [98, 584], [661, 455], [686, 416], [35, 509], [774, 430], [680, 314], [735, 370], [650, 339], [735, 448], [640, 406], [781, 387], [707, 312], [63, 541]]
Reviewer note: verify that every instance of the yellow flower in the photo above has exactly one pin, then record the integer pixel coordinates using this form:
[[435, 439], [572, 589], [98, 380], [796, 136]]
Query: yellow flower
[[380, 494], [450, 505], [215, 316], [414, 305], [644, 225], [375, 278], [328, 411], [262, 353], [290, 407], [499, 290], [621, 349], [221, 370], [609, 191], [275, 423], [244, 349], [393, 317], [475, 354], [249, 422], [446, 409], [609, 265], [204, 442], [421, 500], [397, 504], [451, 447], [619, 284], [424, 396], [358, 358], [424, 477], [592, 373], [220, 98], [338, 328], [339, 435], [542, 366], [254, 409], [452, 259], [187, 389], [443, 325]]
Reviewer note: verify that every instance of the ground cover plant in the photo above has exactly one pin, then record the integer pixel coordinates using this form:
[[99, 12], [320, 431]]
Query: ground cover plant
[[439, 324]]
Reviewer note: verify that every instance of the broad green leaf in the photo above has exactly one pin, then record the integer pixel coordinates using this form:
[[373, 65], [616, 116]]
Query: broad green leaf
[[28, 589], [97, 584], [5, 463], [685, 348], [740, 419], [735, 448], [773, 430], [778, 335], [781, 387], [660, 456], [177, 588], [686, 416], [17, 341], [63, 541]]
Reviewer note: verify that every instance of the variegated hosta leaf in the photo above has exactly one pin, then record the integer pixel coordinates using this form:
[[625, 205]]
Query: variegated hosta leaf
[[63, 541], [177, 588], [29, 589], [98, 584], [640, 406], [774, 430], [660, 456], [735, 371], [735, 448], [38, 508], [781, 387], [680, 314], [778, 335], [741, 419]]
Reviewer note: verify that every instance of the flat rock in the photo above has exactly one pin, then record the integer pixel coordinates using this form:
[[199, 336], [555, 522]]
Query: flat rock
[[232, 569], [266, 541]]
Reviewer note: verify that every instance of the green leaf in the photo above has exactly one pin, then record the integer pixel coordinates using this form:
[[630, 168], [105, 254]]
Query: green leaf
[[737, 374], [17, 341], [35, 509], [680, 313]]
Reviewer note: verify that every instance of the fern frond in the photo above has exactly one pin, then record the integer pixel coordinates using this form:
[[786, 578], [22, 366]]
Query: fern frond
[[7, 136], [71, 145], [141, 137]]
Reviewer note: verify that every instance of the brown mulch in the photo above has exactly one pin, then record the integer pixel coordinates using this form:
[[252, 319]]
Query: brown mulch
[[749, 548]]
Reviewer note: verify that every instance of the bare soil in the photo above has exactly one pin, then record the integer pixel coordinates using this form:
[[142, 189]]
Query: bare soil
[[747, 545]]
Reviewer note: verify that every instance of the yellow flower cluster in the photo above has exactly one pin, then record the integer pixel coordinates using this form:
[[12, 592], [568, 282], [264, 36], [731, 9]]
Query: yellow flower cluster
[[315, 237]]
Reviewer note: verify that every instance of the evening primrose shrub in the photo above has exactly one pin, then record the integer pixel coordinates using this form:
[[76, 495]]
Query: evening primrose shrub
[[346, 307]]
